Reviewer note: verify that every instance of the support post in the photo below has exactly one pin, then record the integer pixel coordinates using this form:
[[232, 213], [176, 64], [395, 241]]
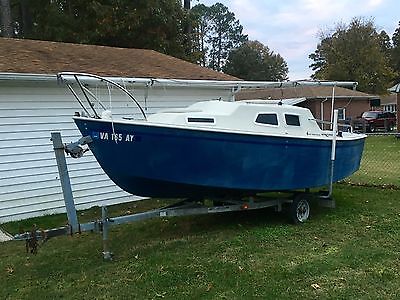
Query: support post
[[58, 147], [107, 255], [327, 201], [333, 106]]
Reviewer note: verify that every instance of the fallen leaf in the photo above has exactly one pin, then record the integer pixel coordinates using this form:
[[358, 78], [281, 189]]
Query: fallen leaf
[[209, 287], [161, 295], [10, 270], [315, 286]]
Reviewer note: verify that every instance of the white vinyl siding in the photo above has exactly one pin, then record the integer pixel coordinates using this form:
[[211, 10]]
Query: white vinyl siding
[[29, 183]]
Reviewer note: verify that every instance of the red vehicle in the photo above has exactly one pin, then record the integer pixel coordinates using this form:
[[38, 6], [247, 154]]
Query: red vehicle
[[370, 121]]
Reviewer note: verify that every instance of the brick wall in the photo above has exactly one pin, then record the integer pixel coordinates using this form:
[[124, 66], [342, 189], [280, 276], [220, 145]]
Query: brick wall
[[353, 108]]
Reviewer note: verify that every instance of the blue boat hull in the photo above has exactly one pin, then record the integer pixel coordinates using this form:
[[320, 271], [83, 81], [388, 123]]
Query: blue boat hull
[[165, 162]]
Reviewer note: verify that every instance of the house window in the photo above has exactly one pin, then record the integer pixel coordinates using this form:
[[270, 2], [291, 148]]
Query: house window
[[269, 119], [292, 120], [341, 114], [201, 120]]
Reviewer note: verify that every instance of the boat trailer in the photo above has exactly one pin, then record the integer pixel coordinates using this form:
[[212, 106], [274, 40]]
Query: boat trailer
[[299, 209]]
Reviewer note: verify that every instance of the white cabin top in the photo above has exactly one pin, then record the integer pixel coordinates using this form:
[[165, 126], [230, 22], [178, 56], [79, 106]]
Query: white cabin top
[[256, 117], [250, 116]]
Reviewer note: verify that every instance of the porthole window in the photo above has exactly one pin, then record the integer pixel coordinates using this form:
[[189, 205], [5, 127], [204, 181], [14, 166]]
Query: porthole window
[[270, 119], [292, 120]]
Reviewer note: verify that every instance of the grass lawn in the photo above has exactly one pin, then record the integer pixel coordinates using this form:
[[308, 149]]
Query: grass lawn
[[350, 252], [380, 163]]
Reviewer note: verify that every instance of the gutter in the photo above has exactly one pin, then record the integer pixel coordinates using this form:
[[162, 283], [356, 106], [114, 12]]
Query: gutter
[[370, 97]]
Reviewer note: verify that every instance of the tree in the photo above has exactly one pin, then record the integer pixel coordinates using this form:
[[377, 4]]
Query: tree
[[354, 52], [64, 20], [150, 24], [200, 30], [396, 53], [385, 44], [217, 32], [254, 61]]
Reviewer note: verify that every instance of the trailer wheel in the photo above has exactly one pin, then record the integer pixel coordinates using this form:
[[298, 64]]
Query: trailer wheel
[[300, 209]]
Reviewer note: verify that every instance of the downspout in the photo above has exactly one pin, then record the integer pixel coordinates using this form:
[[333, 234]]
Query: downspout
[[322, 113]]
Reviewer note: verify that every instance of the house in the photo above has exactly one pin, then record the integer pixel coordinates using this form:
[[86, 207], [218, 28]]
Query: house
[[33, 104], [350, 103]]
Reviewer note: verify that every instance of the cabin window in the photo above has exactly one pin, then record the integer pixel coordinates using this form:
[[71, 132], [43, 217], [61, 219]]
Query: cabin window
[[292, 120], [270, 119], [200, 120]]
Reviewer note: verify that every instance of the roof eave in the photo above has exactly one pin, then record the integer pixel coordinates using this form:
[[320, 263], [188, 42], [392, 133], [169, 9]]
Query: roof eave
[[370, 97], [27, 76], [395, 88]]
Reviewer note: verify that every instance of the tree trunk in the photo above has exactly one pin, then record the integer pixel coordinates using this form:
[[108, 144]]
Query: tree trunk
[[219, 51], [202, 44], [6, 25], [188, 27], [188, 43], [186, 4], [26, 17]]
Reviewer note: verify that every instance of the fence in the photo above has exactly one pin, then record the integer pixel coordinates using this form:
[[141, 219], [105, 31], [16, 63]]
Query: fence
[[380, 164]]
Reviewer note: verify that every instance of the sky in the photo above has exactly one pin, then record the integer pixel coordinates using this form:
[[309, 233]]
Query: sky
[[292, 27]]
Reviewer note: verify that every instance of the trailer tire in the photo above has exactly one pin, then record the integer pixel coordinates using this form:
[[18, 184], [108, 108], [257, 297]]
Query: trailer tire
[[299, 209]]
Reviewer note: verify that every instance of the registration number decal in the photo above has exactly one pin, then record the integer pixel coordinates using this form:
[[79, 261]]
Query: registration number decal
[[113, 136]]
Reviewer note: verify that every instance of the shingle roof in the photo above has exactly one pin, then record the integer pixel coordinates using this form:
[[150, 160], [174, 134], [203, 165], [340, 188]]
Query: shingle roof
[[309, 92], [43, 57]]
